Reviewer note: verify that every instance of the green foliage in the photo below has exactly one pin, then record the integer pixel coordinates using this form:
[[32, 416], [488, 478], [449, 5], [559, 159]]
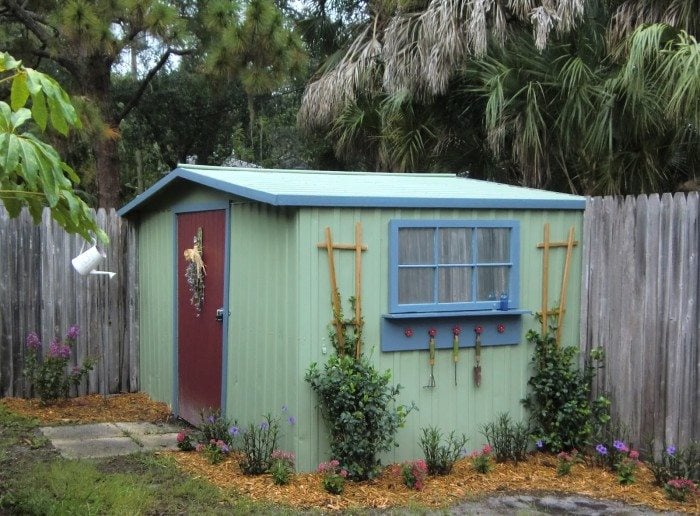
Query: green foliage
[[259, 441], [359, 408], [674, 463], [481, 461], [440, 456], [679, 489], [32, 173], [282, 467], [334, 476], [561, 412], [509, 440], [48, 376], [565, 462]]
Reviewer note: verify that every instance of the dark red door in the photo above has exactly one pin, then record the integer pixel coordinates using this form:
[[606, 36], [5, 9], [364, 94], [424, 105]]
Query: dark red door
[[200, 334]]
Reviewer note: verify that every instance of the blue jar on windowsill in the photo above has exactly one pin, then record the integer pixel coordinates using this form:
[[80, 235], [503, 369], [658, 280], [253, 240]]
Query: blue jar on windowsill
[[503, 302]]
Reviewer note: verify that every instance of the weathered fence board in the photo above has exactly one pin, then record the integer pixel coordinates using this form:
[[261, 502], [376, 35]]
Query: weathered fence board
[[40, 291], [640, 303]]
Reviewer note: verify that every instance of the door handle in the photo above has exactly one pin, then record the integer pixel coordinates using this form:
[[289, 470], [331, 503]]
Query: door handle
[[220, 314]]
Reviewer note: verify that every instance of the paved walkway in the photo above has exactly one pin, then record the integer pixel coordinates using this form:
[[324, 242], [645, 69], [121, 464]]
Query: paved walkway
[[110, 439]]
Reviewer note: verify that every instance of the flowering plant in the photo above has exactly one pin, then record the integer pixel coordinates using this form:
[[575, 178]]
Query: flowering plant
[[565, 461], [214, 450], [282, 466], [49, 376], [481, 460], [333, 476], [184, 441], [414, 473], [678, 489]]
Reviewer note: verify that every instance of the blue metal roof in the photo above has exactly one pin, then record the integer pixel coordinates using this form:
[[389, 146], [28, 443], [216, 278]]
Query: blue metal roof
[[360, 189]]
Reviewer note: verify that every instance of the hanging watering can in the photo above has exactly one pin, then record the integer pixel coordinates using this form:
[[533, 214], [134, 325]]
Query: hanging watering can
[[86, 261]]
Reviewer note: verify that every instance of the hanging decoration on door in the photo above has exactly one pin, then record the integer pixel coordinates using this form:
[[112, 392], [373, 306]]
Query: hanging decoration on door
[[195, 272]]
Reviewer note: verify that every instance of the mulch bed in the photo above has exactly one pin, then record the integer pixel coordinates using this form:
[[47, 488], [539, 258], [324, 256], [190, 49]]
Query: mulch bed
[[305, 491], [94, 408]]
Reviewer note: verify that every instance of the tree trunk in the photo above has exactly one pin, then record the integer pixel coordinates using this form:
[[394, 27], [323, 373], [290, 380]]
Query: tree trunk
[[108, 181], [96, 85]]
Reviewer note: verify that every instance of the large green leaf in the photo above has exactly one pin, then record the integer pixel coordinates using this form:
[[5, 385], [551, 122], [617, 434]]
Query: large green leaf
[[19, 93]]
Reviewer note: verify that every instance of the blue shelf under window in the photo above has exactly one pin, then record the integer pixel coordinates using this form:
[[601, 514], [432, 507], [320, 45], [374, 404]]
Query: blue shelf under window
[[409, 331]]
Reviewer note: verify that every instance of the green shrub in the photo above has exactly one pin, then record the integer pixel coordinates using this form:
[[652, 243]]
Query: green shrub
[[675, 463], [359, 407], [215, 427], [440, 456], [508, 440], [562, 415]]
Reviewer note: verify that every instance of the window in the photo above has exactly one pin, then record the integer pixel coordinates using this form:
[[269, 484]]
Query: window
[[455, 265]]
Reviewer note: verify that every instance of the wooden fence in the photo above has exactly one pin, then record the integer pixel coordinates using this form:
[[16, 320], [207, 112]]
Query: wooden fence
[[640, 303], [41, 292]]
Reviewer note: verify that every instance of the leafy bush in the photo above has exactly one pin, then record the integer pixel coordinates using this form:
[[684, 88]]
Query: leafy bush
[[481, 460], [439, 456], [675, 463], [49, 377], [508, 440], [678, 489], [259, 441], [215, 450], [561, 414], [565, 461], [184, 441], [359, 407]]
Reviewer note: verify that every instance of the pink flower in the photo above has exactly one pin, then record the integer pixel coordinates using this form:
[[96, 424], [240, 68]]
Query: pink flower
[[180, 437], [343, 473], [199, 447], [634, 455], [486, 449], [33, 342], [432, 332], [456, 330], [478, 330]]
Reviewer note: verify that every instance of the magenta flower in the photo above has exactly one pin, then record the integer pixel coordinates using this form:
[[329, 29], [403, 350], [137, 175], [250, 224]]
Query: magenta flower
[[180, 437], [634, 455], [456, 330], [478, 330], [33, 342], [73, 332], [432, 332]]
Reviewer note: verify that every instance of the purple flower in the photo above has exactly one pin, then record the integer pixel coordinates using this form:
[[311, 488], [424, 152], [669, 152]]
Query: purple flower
[[264, 425], [58, 350], [73, 332], [671, 450], [211, 419], [620, 446], [539, 444], [33, 342], [233, 431], [292, 420], [284, 408], [601, 449]]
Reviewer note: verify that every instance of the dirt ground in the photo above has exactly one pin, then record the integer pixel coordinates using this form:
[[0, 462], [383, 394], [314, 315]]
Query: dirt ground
[[536, 476]]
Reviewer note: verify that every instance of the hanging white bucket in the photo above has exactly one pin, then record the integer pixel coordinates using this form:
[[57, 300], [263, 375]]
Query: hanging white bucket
[[88, 260]]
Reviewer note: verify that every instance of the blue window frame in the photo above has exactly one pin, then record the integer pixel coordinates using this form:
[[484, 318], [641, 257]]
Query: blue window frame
[[452, 265]]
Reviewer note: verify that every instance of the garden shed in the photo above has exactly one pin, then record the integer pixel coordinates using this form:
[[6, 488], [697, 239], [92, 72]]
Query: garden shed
[[238, 269]]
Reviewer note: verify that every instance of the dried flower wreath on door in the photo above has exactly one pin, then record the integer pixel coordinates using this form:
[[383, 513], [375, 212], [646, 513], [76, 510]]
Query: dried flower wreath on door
[[195, 272]]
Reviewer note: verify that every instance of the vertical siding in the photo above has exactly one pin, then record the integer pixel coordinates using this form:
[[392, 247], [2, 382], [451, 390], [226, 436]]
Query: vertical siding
[[155, 241], [262, 338], [463, 408]]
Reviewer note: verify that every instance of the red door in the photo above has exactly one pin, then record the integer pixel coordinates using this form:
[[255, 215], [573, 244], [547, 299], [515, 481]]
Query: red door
[[200, 333]]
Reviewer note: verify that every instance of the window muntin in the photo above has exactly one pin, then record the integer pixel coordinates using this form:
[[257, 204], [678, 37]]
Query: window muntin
[[452, 265]]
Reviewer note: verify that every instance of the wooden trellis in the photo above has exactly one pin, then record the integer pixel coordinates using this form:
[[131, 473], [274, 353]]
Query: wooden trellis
[[357, 247], [559, 311]]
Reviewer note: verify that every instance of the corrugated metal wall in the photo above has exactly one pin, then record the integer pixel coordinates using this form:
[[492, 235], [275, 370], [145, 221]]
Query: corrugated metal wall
[[463, 408]]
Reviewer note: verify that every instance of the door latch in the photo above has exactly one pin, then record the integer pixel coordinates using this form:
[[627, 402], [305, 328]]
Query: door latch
[[220, 314]]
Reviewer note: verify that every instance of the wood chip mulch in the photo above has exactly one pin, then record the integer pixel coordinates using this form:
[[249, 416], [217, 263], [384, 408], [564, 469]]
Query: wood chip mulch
[[537, 475], [93, 408]]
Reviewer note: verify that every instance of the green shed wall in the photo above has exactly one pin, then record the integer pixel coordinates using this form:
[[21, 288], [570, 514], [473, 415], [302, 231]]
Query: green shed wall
[[463, 408]]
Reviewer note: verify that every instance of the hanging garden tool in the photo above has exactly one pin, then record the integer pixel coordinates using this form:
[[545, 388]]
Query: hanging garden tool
[[456, 330], [431, 357], [477, 345]]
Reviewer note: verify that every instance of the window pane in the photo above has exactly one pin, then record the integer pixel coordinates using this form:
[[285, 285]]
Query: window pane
[[455, 245], [416, 285], [491, 282], [416, 246], [493, 245], [455, 284]]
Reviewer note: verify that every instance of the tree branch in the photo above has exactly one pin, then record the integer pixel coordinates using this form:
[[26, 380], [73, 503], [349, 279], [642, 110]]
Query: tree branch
[[71, 66], [146, 81], [29, 20]]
